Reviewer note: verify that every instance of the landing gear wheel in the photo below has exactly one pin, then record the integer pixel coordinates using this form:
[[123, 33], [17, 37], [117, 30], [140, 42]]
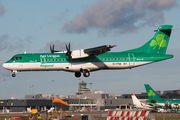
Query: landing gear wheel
[[13, 75], [86, 73], [77, 74]]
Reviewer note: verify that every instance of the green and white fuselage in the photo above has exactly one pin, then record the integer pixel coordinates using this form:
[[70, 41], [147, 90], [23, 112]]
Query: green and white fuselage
[[59, 61], [153, 51]]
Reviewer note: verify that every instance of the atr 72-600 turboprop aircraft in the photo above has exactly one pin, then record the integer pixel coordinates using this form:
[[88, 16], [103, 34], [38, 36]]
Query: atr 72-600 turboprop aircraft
[[94, 59]]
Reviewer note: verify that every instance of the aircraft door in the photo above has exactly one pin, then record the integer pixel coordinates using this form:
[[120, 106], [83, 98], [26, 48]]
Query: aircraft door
[[131, 59]]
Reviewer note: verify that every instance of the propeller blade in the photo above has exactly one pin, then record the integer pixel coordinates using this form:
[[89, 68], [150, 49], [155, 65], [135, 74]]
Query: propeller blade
[[68, 50], [52, 48], [69, 47]]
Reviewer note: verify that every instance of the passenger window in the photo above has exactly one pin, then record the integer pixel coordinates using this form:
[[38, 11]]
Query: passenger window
[[125, 58], [115, 58], [101, 58], [56, 59], [49, 60], [53, 59], [42, 60], [59, 59], [105, 58], [46, 60], [122, 58], [112, 58], [17, 58], [108, 58], [119, 59], [63, 59], [20, 58]]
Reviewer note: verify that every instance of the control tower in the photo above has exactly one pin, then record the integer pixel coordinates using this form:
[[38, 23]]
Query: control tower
[[83, 89]]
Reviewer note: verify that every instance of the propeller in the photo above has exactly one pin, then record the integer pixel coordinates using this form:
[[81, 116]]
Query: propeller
[[68, 53], [52, 48]]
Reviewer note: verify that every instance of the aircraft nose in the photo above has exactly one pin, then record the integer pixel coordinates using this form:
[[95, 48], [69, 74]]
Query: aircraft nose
[[5, 65]]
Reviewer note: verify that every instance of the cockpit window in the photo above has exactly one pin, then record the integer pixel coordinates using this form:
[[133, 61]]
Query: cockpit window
[[13, 58], [16, 58]]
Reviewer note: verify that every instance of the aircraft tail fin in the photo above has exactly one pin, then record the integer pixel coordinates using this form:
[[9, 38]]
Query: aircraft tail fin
[[158, 44], [152, 95], [136, 102]]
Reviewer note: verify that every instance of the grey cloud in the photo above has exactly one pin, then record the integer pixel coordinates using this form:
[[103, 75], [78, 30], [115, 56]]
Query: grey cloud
[[59, 46], [2, 10], [3, 42], [16, 44], [119, 16], [62, 15]]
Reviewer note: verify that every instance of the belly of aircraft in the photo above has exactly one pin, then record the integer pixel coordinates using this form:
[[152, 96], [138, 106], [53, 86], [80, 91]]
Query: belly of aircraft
[[92, 66]]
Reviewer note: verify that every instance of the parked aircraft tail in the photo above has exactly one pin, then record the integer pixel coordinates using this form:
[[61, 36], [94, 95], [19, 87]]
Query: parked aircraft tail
[[152, 95], [136, 102], [158, 44]]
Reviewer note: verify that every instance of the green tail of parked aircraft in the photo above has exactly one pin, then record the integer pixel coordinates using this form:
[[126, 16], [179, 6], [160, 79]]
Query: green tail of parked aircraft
[[93, 59], [154, 97]]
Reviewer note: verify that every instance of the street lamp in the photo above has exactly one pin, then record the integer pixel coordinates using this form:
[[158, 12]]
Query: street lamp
[[90, 85], [52, 94], [3, 87], [79, 93], [3, 92], [32, 89]]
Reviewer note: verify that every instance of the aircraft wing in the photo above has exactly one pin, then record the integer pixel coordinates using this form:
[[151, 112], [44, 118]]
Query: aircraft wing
[[98, 50]]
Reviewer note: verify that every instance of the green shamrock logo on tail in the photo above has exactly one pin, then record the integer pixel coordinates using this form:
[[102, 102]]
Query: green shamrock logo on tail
[[159, 41], [151, 93]]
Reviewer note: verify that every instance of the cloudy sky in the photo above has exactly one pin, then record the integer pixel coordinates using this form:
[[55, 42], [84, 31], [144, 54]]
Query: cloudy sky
[[33, 26]]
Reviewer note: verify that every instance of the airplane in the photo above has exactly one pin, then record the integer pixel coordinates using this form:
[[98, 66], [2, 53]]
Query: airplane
[[154, 98], [94, 59], [138, 104]]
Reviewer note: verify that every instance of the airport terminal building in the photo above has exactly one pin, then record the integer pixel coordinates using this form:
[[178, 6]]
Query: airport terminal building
[[84, 100]]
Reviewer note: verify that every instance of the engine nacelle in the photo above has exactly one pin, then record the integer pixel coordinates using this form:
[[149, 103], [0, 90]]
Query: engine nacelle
[[78, 54]]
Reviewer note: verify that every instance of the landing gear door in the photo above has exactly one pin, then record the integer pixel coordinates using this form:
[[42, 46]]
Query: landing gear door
[[131, 59]]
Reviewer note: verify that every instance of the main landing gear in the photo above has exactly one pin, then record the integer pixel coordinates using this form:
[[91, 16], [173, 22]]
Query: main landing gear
[[85, 73], [13, 75], [14, 71]]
